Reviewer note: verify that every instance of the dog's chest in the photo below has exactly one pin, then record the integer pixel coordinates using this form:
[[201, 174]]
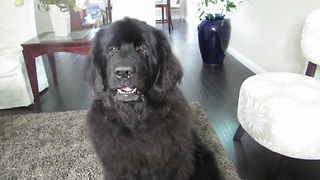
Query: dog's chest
[[144, 141], [146, 150]]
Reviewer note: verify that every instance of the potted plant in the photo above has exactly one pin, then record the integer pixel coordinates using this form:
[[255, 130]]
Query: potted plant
[[60, 12], [63, 5], [214, 30], [215, 8]]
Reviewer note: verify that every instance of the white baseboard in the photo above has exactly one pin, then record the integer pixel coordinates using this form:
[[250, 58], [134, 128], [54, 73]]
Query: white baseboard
[[245, 61]]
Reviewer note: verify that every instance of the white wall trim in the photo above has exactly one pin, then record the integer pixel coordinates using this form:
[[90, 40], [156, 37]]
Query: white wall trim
[[245, 61]]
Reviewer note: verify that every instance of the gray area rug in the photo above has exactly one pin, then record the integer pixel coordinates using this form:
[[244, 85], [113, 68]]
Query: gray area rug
[[53, 146]]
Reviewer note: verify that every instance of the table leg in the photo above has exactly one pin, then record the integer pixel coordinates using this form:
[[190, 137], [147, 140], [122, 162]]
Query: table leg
[[239, 133], [32, 73], [162, 12], [52, 62], [311, 69], [169, 19]]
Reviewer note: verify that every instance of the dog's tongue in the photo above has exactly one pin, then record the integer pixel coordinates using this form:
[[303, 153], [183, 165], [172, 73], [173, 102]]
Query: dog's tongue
[[126, 88]]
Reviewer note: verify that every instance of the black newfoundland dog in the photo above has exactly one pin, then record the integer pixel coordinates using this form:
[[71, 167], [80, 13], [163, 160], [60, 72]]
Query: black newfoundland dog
[[139, 122]]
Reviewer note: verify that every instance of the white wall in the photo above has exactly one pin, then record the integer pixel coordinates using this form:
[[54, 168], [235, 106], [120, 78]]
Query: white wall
[[266, 34], [140, 9]]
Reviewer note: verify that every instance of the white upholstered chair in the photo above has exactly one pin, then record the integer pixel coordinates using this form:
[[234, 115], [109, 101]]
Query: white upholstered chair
[[281, 110], [15, 90]]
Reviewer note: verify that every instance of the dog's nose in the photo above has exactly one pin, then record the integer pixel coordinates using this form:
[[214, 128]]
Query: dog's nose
[[123, 71]]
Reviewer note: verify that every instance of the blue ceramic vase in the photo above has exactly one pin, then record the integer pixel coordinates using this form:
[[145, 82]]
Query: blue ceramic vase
[[214, 36]]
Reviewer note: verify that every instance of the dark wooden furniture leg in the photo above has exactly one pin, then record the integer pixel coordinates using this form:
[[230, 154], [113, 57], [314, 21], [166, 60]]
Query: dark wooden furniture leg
[[274, 166], [165, 9], [311, 69], [169, 18], [162, 13], [32, 73], [108, 12], [52, 62], [239, 133]]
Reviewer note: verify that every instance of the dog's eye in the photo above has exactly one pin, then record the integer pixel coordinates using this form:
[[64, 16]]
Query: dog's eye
[[113, 49], [141, 49]]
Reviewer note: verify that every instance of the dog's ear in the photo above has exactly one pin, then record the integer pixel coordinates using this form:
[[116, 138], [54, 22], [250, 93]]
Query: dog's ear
[[91, 74], [170, 71], [94, 66]]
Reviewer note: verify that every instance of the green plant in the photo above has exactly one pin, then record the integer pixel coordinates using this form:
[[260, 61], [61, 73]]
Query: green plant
[[212, 8], [64, 5]]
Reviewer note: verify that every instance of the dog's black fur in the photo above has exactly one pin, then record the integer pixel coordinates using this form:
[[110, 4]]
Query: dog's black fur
[[139, 123]]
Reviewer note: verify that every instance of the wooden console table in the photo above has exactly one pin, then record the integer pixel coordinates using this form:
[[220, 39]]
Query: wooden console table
[[78, 42]]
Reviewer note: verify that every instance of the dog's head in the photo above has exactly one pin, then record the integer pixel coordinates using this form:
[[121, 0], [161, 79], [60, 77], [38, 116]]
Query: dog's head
[[131, 60]]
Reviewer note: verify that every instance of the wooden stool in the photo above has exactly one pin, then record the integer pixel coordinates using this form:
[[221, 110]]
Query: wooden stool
[[165, 8]]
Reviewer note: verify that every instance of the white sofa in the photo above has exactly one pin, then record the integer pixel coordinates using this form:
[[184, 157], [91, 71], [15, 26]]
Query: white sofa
[[18, 26]]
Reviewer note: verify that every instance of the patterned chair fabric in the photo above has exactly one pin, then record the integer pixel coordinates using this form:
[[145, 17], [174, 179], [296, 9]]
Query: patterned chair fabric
[[310, 38], [281, 111]]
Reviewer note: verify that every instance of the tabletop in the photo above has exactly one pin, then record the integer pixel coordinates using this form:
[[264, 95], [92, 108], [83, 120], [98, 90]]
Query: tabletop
[[50, 37]]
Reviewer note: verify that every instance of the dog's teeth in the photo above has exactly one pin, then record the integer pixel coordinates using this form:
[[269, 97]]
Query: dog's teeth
[[120, 91]]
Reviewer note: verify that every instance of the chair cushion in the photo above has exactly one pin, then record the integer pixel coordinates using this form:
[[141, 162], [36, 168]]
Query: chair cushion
[[310, 38], [281, 111]]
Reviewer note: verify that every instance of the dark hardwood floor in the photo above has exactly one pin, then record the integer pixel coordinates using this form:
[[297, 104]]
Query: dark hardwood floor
[[215, 87]]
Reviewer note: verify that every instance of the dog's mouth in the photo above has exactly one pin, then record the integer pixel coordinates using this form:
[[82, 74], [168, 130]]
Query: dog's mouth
[[128, 94]]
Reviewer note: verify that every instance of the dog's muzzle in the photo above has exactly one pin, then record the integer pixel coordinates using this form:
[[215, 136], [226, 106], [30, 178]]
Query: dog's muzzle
[[126, 93]]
